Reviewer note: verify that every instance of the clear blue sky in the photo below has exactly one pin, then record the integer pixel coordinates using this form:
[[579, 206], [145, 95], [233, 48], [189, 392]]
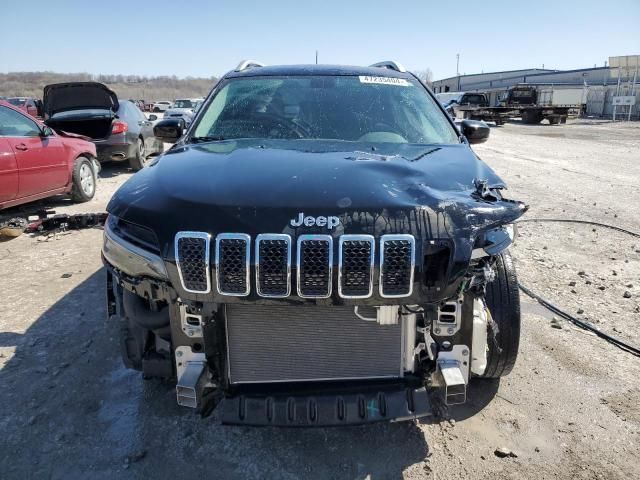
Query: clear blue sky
[[204, 38]]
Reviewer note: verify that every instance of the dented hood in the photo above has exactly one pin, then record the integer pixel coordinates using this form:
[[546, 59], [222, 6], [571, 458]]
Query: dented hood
[[253, 188], [63, 97]]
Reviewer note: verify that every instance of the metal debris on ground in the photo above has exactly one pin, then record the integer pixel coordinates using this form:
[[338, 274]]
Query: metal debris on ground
[[66, 222], [48, 221]]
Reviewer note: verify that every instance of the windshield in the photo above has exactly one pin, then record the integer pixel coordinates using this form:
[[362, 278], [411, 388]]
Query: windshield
[[521, 93], [184, 104], [346, 108], [18, 102]]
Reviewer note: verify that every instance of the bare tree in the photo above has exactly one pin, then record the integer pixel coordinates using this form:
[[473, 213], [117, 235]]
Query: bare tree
[[425, 75]]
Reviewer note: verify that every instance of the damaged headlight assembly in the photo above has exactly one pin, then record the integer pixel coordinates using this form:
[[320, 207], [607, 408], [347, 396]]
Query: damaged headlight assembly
[[495, 241], [128, 257]]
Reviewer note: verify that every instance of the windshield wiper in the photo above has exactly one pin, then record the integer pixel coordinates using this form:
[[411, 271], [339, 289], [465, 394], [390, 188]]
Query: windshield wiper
[[205, 139]]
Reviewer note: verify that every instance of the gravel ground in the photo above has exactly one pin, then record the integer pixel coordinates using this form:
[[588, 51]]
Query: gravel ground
[[570, 409]]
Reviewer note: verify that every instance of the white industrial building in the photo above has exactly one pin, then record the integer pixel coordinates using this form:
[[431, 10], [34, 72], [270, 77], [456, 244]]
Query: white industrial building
[[600, 84]]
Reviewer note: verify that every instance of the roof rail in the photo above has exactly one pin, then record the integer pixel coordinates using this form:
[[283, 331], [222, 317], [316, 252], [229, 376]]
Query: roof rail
[[391, 65], [245, 64]]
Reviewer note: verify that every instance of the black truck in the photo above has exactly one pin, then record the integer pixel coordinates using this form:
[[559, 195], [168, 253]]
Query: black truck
[[471, 106], [321, 246], [531, 103], [534, 103]]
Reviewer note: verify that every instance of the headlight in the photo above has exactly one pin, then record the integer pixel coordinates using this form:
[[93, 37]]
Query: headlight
[[495, 241], [130, 258]]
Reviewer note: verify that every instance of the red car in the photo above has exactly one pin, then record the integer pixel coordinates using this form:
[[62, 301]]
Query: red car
[[36, 162]]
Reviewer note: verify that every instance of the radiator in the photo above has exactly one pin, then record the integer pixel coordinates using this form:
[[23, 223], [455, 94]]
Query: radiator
[[308, 343]]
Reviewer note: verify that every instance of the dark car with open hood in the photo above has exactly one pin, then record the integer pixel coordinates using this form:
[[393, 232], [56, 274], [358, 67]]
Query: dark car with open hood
[[119, 130], [321, 246]]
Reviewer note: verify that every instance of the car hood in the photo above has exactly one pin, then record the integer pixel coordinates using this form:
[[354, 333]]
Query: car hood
[[431, 191], [62, 97]]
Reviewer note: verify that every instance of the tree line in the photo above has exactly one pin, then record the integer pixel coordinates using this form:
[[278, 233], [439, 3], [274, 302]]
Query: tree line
[[136, 87]]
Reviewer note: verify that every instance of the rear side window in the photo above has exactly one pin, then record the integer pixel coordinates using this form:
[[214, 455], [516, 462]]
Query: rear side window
[[474, 99], [129, 111], [13, 124], [323, 107]]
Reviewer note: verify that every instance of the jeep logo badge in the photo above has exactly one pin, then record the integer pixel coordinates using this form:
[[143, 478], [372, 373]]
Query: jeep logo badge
[[328, 222]]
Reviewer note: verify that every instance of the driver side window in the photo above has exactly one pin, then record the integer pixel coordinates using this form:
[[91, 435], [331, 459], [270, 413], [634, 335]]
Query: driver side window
[[13, 124]]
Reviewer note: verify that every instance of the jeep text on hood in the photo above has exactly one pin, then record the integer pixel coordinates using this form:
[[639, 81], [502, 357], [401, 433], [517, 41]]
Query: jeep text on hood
[[321, 247]]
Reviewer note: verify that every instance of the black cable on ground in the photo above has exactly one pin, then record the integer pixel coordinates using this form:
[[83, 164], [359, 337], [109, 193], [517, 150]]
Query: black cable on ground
[[576, 321], [585, 222], [585, 325]]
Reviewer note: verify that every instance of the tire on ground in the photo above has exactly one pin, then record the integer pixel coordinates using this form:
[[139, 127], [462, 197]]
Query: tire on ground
[[531, 117], [503, 300], [78, 193], [138, 161]]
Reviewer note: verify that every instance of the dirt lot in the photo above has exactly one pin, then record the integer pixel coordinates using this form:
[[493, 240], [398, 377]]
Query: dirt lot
[[570, 409]]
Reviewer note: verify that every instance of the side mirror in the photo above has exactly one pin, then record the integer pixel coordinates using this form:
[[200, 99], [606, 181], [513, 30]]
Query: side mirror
[[169, 130], [153, 118], [475, 131], [46, 132]]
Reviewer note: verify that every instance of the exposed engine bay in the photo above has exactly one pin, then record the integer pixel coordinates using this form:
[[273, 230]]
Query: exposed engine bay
[[277, 361]]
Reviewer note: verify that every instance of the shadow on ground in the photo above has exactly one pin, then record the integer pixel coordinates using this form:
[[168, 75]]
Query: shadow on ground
[[69, 409]]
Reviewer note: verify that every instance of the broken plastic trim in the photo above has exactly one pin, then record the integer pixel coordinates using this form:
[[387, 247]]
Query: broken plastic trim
[[485, 192]]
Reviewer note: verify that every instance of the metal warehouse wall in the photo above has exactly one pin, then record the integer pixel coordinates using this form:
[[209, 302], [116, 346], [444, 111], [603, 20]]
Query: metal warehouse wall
[[600, 102], [485, 79], [592, 76]]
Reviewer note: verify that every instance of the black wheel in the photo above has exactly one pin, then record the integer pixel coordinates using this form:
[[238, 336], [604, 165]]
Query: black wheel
[[531, 118], [503, 300], [84, 180], [139, 161]]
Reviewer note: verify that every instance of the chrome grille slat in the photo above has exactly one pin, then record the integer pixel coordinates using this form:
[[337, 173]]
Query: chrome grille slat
[[314, 266], [192, 259], [314, 262], [355, 266], [233, 251], [273, 265], [397, 263]]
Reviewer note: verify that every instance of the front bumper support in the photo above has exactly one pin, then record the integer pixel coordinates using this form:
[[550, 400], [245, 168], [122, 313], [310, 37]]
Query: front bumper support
[[326, 409]]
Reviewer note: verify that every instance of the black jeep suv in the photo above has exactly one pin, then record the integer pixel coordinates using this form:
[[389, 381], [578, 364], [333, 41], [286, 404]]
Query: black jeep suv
[[321, 246]]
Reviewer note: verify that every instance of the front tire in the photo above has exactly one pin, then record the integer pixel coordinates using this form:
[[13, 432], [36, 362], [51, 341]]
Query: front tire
[[84, 180], [503, 299], [139, 161]]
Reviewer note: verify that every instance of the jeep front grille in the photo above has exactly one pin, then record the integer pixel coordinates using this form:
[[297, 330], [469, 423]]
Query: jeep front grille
[[232, 264], [192, 260], [273, 265], [355, 266], [314, 264], [315, 259], [397, 260]]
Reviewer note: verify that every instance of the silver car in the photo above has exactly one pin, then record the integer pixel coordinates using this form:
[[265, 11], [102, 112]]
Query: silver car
[[184, 108]]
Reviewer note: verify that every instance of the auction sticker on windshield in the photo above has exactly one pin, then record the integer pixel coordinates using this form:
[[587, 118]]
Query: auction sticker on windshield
[[384, 80]]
